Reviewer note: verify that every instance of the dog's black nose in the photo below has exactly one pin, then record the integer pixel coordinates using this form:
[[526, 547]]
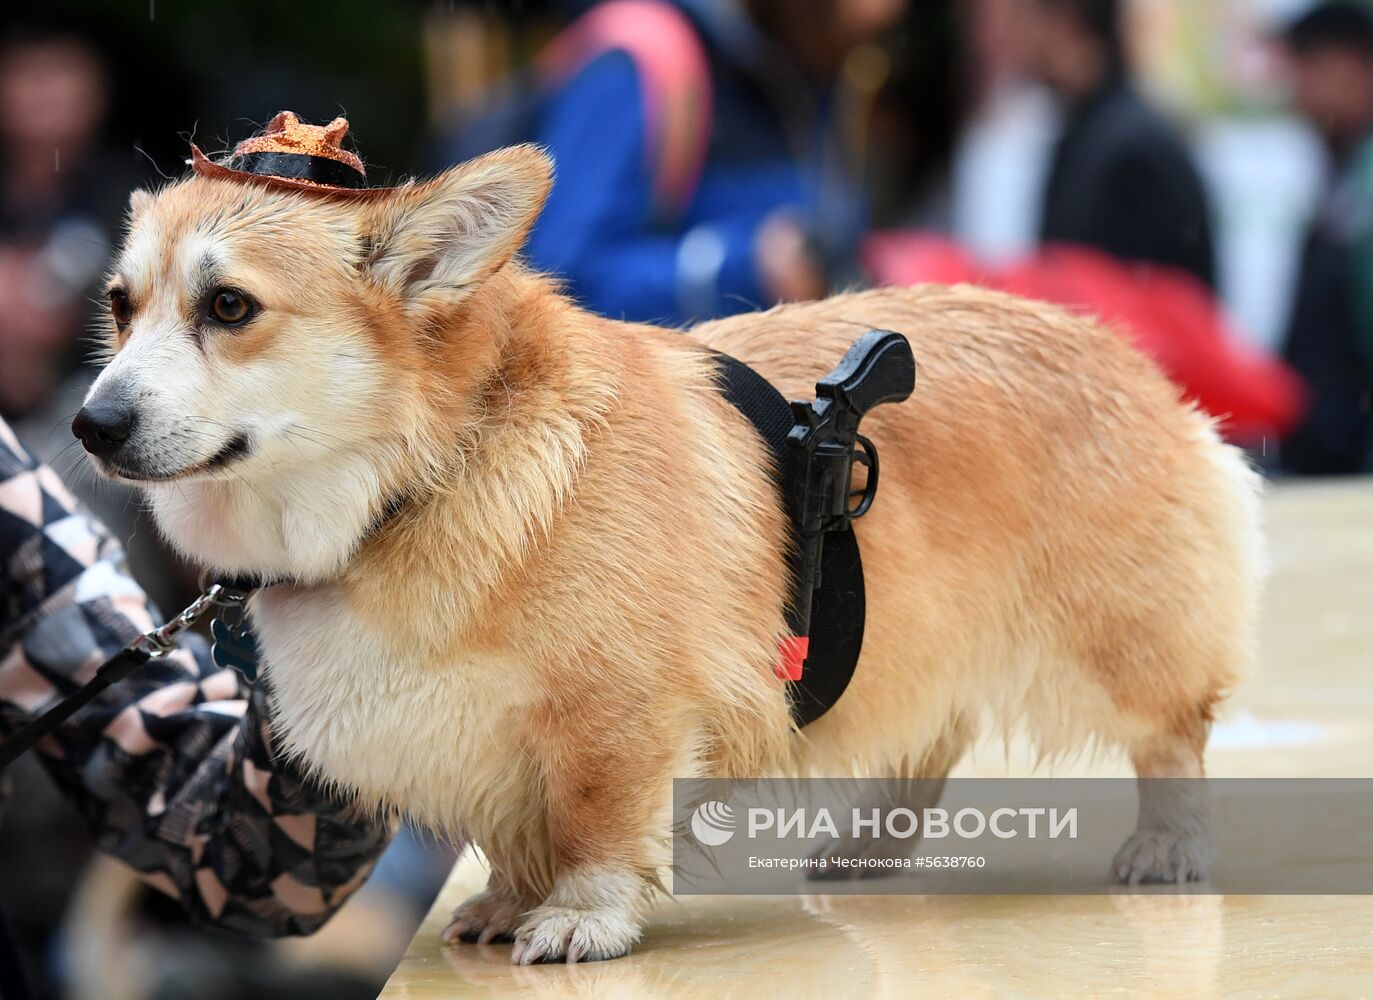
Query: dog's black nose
[[104, 426]]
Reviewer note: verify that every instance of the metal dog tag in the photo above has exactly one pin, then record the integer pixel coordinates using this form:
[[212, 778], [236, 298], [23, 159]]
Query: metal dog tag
[[235, 646]]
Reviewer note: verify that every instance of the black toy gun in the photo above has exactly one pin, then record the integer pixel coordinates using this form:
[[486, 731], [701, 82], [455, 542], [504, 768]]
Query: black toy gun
[[823, 447]]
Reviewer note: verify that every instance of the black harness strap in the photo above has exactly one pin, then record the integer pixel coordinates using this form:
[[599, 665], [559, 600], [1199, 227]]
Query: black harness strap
[[838, 610]]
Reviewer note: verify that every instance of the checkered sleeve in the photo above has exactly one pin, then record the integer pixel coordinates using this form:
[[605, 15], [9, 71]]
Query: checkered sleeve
[[173, 768]]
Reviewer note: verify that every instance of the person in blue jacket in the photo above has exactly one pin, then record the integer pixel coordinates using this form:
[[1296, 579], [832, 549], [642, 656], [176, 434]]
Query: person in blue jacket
[[774, 210]]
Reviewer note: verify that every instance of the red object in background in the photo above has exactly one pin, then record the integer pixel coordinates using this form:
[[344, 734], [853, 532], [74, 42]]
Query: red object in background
[[1169, 315]]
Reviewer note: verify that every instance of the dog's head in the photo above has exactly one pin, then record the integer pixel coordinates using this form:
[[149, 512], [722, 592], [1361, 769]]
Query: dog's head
[[252, 328]]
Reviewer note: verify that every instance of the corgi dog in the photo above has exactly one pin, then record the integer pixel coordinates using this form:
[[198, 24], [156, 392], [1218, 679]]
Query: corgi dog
[[532, 565]]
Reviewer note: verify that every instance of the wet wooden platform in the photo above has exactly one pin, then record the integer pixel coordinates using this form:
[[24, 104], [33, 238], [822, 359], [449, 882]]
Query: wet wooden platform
[[1307, 711]]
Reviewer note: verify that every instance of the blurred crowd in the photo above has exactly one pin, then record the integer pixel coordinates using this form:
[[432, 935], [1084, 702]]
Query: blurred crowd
[[1200, 175]]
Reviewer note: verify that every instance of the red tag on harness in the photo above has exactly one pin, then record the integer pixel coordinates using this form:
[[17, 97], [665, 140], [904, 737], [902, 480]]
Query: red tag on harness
[[791, 656]]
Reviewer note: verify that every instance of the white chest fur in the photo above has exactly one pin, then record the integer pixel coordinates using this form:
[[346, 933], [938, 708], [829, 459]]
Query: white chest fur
[[432, 739]]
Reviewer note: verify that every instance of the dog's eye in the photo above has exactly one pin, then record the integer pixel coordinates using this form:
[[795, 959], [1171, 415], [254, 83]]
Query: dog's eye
[[230, 307], [120, 307]]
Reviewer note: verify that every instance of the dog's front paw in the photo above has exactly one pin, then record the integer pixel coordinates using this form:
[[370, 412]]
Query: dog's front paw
[[490, 916], [568, 934], [1151, 857]]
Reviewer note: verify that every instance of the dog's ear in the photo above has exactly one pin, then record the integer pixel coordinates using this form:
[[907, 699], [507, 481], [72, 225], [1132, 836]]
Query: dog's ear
[[139, 202], [434, 242]]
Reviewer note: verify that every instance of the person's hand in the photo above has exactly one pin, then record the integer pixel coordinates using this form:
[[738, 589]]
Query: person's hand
[[786, 265]]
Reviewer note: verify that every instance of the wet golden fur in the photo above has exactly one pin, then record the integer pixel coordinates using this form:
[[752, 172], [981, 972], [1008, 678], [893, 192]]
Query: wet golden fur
[[582, 596]]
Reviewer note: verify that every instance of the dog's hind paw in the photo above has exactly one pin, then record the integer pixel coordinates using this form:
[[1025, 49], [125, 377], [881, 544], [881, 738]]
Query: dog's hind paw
[[565, 934], [1152, 857], [489, 917]]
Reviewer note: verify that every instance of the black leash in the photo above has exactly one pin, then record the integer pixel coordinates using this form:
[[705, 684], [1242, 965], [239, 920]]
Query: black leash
[[147, 647], [233, 646]]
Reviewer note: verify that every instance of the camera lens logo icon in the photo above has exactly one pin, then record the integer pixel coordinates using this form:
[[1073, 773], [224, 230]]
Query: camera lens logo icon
[[713, 823]]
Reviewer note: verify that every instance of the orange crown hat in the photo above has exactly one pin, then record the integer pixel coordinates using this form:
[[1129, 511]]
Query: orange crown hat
[[291, 154]]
